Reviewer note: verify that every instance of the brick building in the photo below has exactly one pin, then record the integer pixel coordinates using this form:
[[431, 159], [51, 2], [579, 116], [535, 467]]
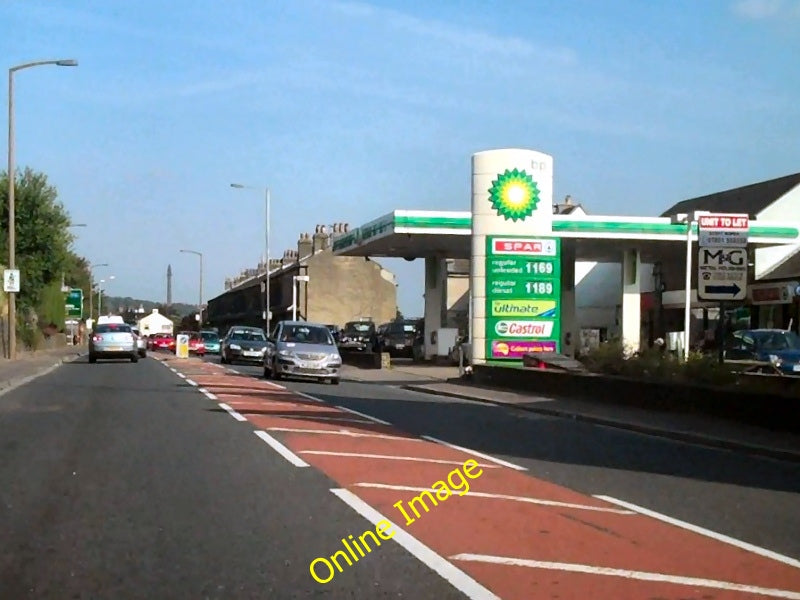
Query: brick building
[[340, 288]]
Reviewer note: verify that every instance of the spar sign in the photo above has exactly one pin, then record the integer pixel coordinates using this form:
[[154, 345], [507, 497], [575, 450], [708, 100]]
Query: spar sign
[[723, 231], [523, 296]]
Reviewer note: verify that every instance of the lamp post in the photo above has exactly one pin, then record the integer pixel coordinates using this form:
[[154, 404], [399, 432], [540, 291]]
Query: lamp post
[[91, 287], [100, 296], [267, 315], [12, 225], [690, 220], [295, 279], [200, 305]]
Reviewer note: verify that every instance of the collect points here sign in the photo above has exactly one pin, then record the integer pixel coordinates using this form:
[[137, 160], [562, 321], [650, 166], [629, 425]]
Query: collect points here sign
[[523, 296]]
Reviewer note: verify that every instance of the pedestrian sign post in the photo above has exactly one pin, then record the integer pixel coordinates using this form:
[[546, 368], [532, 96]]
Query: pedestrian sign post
[[11, 280], [182, 346], [74, 303]]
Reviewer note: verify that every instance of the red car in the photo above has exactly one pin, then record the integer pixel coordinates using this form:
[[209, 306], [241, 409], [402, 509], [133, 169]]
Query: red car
[[162, 341], [197, 346]]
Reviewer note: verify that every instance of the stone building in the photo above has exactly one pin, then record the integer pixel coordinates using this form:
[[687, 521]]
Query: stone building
[[340, 288]]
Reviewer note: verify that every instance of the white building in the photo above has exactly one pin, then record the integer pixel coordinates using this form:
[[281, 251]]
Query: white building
[[155, 323]]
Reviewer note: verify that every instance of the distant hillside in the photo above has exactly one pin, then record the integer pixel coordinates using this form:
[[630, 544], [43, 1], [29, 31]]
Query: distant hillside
[[119, 304]]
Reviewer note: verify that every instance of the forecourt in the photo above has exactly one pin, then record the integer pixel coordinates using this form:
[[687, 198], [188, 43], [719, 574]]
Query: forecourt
[[511, 536], [512, 199]]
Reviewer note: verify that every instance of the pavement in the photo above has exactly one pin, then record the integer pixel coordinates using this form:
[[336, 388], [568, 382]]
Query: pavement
[[184, 478], [30, 365], [692, 428]]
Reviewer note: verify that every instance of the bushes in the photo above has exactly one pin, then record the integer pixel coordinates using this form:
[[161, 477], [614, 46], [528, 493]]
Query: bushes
[[655, 364]]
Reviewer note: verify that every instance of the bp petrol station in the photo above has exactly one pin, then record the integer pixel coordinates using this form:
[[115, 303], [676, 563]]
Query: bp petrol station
[[522, 256]]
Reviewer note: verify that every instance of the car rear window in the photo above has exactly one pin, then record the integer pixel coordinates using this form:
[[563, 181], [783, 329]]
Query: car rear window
[[402, 328], [113, 328]]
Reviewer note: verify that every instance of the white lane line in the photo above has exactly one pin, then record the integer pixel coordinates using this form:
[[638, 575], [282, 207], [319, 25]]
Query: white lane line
[[281, 449], [231, 412], [447, 570], [360, 414], [307, 396], [702, 531], [333, 419], [409, 488], [345, 432], [181, 375], [627, 574], [387, 457], [190, 382], [208, 394], [499, 461]]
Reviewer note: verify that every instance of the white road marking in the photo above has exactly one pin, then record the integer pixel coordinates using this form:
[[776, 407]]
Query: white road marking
[[627, 574], [190, 382], [308, 396], [499, 461], [360, 414], [408, 488], [345, 432], [208, 394], [232, 412], [452, 574], [281, 449], [387, 457], [702, 531], [335, 419], [181, 375]]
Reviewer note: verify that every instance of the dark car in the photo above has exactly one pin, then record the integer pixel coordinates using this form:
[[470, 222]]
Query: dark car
[[335, 332], [777, 346], [397, 338], [358, 336], [243, 344]]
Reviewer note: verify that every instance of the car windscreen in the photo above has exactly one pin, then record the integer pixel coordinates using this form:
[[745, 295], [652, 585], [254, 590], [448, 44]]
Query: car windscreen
[[248, 336], [210, 337], [306, 334], [400, 328], [112, 328], [778, 340]]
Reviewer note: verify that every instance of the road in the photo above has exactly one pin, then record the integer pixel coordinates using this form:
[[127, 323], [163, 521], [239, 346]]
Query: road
[[122, 480]]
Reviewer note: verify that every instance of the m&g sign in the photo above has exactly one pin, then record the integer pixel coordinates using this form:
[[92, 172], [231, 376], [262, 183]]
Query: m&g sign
[[523, 296]]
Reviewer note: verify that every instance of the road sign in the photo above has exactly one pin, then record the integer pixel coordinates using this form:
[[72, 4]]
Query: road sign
[[722, 274], [74, 304], [11, 280], [718, 230]]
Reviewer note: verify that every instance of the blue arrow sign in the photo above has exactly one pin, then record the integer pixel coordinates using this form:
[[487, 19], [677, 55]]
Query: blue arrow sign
[[732, 289]]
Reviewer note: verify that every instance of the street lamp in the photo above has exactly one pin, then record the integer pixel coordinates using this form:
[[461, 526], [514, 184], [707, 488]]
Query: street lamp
[[12, 225], [200, 305], [267, 315], [295, 279], [91, 287], [100, 296]]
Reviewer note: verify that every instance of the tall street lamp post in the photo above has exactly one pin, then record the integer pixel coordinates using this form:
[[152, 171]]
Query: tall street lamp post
[[12, 300], [100, 296], [91, 288], [267, 315], [200, 305]]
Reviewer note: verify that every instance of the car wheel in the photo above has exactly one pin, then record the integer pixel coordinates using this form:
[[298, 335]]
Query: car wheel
[[335, 381], [134, 357], [92, 358], [275, 373]]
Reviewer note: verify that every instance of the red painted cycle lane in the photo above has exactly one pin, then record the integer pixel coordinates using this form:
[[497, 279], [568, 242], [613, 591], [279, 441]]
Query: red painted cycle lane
[[549, 541]]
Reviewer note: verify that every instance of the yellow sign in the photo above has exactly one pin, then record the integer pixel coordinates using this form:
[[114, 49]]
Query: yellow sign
[[524, 308], [182, 346]]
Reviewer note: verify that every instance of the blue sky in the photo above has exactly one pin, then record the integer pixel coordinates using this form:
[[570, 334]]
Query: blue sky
[[348, 110]]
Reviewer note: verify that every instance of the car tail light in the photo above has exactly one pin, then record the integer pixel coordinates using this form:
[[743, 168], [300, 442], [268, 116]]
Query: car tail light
[[97, 338]]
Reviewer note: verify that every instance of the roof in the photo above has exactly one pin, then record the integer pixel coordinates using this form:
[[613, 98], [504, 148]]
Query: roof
[[750, 199]]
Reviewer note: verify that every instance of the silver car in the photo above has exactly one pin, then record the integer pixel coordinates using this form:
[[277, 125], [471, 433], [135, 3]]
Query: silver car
[[302, 349], [141, 343], [243, 344], [113, 340]]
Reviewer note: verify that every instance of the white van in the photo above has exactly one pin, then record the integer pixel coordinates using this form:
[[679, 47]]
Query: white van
[[103, 320]]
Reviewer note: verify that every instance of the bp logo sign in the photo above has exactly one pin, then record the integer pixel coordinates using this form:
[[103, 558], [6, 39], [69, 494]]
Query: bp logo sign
[[514, 195]]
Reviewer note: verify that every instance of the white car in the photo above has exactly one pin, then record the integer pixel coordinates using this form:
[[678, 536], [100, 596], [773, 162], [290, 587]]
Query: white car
[[141, 343]]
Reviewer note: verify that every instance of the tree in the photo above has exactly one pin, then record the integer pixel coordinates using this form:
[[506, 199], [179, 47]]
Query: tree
[[42, 235]]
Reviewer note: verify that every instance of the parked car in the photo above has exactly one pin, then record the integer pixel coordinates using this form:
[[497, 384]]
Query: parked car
[[141, 342], [211, 340], [197, 345], [113, 340], [243, 344], [359, 336], [777, 346], [302, 349], [397, 338]]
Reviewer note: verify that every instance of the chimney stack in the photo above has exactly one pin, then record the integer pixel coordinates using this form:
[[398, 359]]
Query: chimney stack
[[169, 285], [305, 246], [321, 238]]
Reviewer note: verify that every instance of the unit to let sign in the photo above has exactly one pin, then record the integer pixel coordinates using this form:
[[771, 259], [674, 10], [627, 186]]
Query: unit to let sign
[[722, 273], [523, 296], [11, 280], [719, 230]]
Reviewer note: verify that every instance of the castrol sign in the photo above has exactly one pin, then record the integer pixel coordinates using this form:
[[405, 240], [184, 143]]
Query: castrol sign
[[524, 329]]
